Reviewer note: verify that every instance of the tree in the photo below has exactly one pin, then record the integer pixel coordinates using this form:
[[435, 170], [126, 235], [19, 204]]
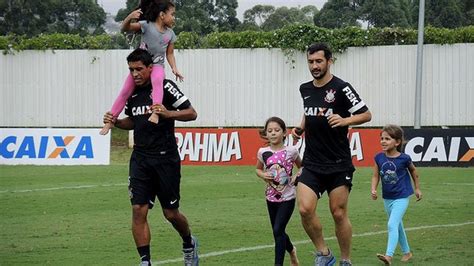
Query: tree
[[192, 16], [269, 18], [309, 11], [446, 13], [338, 14], [386, 13], [258, 14], [284, 16], [48, 16], [224, 15]]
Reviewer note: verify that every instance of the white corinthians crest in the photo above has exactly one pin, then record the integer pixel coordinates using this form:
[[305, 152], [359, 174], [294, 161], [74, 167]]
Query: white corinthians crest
[[330, 96]]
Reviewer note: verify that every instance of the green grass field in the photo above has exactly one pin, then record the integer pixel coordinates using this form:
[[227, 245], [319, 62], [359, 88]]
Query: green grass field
[[80, 215]]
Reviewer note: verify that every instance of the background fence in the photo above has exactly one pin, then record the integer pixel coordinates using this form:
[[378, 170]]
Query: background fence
[[239, 87]]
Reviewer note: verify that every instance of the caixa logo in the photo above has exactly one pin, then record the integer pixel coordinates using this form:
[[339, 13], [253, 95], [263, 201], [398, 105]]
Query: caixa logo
[[46, 147]]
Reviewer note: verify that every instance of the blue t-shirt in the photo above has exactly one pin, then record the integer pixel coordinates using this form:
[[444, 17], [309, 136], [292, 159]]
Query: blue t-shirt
[[394, 175]]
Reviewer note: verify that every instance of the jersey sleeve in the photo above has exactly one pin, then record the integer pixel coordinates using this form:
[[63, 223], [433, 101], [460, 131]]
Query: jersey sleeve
[[127, 110], [174, 96], [352, 100]]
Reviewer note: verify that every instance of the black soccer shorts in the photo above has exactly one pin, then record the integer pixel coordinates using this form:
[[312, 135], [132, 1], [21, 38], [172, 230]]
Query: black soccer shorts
[[155, 176], [319, 182]]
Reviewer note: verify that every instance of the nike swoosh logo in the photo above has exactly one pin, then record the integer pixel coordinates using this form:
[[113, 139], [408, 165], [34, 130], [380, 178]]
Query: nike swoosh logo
[[348, 178], [306, 97], [135, 95], [173, 201]]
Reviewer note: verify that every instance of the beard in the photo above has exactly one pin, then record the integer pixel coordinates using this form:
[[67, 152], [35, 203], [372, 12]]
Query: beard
[[320, 74]]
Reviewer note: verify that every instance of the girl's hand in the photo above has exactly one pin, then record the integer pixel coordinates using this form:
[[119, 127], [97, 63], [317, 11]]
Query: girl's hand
[[418, 194], [373, 194], [135, 15], [267, 177], [178, 75]]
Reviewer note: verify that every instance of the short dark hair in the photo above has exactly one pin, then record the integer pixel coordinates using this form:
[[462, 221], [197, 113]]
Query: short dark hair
[[315, 47], [142, 55]]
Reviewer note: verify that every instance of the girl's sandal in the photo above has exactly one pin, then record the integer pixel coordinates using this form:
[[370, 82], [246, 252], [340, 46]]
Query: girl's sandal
[[384, 259]]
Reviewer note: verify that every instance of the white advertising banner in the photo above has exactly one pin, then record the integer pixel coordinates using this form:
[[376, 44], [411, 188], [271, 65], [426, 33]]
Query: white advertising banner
[[53, 146]]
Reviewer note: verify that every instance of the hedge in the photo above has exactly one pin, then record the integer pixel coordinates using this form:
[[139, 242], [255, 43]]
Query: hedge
[[292, 37]]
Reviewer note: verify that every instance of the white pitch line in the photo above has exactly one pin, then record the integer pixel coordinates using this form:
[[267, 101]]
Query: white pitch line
[[123, 184], [459, 184], [219, 253], [60, 188]]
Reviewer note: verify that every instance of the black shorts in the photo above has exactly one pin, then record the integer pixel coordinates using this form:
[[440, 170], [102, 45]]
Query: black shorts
[[324, 182], [155, 176]]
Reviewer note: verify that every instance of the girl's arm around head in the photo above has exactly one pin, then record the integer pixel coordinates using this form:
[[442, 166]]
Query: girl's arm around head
[[416, 181], [130, 23], [375, 182]]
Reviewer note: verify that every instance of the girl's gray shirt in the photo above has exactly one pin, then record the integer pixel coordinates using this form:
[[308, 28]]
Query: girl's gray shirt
[[156, 42]]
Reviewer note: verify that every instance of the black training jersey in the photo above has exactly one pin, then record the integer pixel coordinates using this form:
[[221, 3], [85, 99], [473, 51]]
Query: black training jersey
[[327, 149], [150, 138]]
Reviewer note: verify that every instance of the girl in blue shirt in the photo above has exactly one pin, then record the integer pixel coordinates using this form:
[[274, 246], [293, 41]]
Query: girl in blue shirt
[[394, 169]]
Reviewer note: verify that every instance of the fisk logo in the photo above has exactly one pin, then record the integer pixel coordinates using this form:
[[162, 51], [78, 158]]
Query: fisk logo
[[46, 147]]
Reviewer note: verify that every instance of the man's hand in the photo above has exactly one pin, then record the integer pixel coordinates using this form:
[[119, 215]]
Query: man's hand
[[160, 110], [336, 120], [109, 118], [296, 132]]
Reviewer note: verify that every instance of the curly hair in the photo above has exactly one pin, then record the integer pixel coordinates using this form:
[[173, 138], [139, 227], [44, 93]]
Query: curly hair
[[152, 8]]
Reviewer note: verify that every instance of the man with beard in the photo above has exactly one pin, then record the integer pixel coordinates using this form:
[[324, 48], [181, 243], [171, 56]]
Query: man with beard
[[331, 105]]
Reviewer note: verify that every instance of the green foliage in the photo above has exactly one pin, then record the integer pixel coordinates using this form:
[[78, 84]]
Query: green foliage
[[245, 39], [291, 37], [299, 36], [188, 40], [59, 41], [51, 16], [337, 14]]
